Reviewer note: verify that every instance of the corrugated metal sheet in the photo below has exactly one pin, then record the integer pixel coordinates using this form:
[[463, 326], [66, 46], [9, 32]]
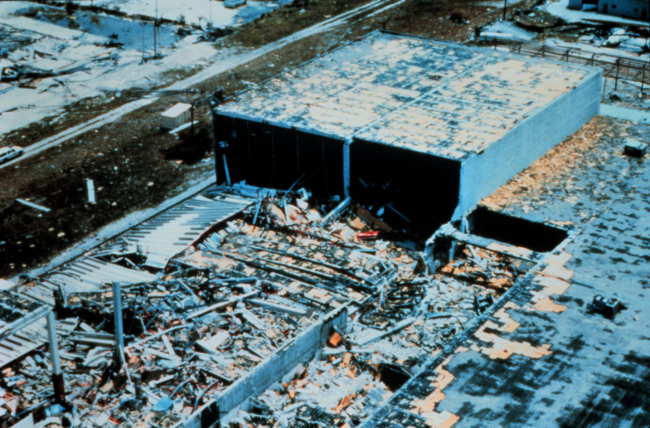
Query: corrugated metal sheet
[[22, 342], [173, 231], [83, 275], [159, 239], [88, 274], [22, 325]]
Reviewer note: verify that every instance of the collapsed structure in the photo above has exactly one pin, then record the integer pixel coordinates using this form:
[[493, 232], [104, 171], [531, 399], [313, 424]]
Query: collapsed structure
[[412, 126], [251, 307], [244, 303]]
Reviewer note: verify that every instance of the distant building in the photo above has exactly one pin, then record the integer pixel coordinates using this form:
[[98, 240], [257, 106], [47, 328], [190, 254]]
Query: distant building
[[636, 9]]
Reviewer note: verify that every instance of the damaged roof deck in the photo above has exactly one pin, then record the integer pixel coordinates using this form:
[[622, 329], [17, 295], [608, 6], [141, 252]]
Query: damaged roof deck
[[424, 95], [384, 345], [211, 326], [252, 307], [428, 111], [546, 355], [232, 313], [216, 332], [238, 310]]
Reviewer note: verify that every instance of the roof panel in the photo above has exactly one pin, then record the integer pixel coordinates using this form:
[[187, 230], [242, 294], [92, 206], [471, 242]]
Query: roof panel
[[371, 89]]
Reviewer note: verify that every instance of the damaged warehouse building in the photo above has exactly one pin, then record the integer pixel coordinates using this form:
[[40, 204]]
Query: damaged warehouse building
[[347, 270], [411, 126], [261, 288]]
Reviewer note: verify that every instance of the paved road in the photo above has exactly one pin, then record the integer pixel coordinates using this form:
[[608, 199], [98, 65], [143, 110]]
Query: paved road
[[217, 68]]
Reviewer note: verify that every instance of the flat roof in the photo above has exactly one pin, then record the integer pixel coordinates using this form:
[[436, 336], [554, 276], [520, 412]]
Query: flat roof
[[424, 95], [541, 356]]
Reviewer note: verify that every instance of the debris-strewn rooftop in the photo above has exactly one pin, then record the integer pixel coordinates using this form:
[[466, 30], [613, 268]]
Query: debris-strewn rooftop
[[250, 307], [295, 312], [548, 353], [420, 94]]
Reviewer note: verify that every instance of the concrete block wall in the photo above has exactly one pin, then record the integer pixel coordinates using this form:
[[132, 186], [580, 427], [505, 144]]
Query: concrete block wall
[[529, 140], [303, 348]]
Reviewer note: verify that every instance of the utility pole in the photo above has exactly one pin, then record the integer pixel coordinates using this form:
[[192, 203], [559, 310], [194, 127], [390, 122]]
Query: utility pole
[[155, 29], [57, 374], [119, 328], [144, 27], [505, 5]]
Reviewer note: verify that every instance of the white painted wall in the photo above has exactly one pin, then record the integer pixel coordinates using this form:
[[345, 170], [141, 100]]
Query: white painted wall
[[529, 140]]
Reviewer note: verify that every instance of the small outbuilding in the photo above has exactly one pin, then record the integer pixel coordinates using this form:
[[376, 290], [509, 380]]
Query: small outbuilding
[[176, 116]]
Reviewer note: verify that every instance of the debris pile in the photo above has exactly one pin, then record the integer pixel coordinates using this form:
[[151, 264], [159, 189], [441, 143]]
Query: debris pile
[[409, 316], [178, 338], [331, 392], [487, 268], [222, 310]]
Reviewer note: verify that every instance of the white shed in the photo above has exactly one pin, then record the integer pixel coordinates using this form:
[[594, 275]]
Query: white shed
[[176, 116]]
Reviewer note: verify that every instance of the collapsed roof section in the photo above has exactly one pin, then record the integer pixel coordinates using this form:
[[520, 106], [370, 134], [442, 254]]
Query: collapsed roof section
[[187, 221], [366, 367], [255, 297], [136, 255], [22, 325], [425, 110]]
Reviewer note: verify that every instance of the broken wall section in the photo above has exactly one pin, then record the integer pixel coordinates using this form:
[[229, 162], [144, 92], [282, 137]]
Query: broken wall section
[[277, 157], [418, 192], [301, 349]]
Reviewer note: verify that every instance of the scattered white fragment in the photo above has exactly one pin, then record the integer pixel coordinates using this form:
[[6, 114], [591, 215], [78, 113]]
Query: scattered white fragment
[[33, 205], [101, 420], [90, 184], [182, 127]]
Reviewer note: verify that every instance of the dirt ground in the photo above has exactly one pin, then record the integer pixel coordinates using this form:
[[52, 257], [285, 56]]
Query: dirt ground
[[127, 159], [130, 172]]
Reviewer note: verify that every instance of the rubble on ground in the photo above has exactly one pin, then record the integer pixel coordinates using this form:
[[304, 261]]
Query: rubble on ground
[[233, 300]]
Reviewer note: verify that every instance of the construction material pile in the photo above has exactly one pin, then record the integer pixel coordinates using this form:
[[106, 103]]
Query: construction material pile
[[412, 315]]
